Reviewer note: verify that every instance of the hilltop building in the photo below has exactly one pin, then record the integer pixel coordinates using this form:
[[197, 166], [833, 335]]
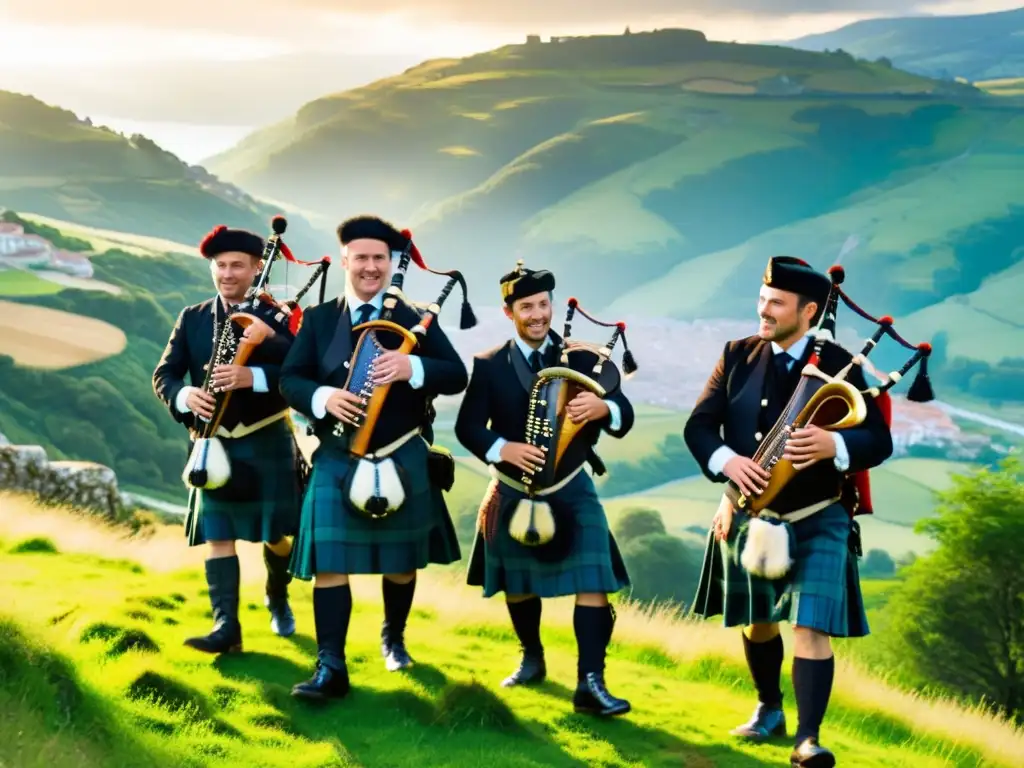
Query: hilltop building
[[19, 250]]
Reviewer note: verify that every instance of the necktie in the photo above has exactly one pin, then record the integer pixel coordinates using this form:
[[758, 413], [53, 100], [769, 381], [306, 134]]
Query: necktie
[[536, 361], [782, 361], [364, 314]]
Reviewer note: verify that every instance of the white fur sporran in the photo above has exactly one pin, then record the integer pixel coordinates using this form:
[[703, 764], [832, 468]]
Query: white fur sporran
[[766, 551], [208, 465], [375, 487], [532, 523]]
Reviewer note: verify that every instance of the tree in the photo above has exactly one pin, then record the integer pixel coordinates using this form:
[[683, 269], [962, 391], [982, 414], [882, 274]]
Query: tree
[[663, 568], [636, 522], [958, 620], [878, 563]]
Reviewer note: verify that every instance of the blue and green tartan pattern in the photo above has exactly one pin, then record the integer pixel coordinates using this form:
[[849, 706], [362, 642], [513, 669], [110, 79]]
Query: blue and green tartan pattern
[[335, 538], [593, 565], [272, 512], [820, 592]]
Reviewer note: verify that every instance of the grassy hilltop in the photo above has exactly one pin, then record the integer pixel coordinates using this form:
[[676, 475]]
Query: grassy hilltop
[[57, 164], [95, 675], [656, 172]]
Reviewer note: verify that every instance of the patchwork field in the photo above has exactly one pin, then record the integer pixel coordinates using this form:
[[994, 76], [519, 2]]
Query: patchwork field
[[49, 338]]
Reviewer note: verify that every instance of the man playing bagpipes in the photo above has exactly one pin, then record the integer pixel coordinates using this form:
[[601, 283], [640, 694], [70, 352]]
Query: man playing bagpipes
[[541, 530], [788, 422], [365, 369], [243, 465]]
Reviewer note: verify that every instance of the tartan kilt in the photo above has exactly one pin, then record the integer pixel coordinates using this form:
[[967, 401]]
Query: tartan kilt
[[820, 592], [264, 461], [335, 538], [593, 562]]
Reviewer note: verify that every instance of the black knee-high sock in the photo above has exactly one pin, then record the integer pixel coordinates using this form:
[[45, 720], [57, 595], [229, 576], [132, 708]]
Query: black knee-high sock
[[812, 686], [332, 609], [765, 662], [593, 627], [222, 578], [525, 616], [397, 604], [278, 577]]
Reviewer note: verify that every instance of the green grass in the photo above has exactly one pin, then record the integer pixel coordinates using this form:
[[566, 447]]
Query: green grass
[[94, 673], [16, 282]]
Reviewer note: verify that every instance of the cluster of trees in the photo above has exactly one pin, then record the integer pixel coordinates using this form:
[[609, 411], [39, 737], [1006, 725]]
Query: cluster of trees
[[955, 623], [664, 568]]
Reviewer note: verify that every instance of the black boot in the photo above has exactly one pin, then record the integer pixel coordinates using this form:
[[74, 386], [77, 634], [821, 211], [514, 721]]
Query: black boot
[[593, 633], [525, 616], [222, 576], [282, 620], [397, 604], [812, 686], [332, 609], [765, 663]]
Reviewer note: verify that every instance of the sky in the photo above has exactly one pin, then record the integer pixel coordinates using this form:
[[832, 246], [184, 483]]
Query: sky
[[199, 74]]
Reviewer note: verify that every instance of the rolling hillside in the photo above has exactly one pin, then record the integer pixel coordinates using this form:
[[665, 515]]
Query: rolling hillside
[[100, 678], [660, 165], [56, 164], [976, 47]]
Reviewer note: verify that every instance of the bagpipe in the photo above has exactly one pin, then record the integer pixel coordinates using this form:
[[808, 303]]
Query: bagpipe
[[247, 325], [830, 403], [374, 487], [583, 367]]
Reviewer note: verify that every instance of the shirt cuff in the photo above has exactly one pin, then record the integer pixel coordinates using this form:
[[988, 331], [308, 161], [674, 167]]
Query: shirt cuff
[[416, 381], [842, 459], [259, 380], [179, 401], [319, 404], [614, 415], [719, 459], [494, 454]]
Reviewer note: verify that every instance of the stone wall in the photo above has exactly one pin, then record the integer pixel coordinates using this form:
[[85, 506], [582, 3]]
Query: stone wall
[[82, 484]]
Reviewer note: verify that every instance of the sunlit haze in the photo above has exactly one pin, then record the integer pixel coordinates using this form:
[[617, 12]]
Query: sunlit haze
[[197, 76]]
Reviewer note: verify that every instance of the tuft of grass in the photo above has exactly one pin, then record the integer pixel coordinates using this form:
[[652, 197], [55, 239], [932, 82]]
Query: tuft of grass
[[36, 545]]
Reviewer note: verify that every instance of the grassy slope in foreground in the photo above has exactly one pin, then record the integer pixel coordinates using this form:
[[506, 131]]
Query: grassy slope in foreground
[[84, 670]]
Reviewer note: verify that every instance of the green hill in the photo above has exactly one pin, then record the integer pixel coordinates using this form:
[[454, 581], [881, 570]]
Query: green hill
[[99, 677], [56, 164], [628, 158], [977, 47]]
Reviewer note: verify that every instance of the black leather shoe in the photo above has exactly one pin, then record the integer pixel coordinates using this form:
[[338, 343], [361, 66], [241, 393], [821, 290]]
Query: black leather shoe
[[810, 754], [766, 723], [395, 655], [592, 697], [282, 620], [532, 669], [223, 639], [326, 683]]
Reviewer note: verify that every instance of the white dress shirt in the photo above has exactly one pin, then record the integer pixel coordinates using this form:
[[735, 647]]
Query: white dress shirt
[[720, 457], [615, 415]]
